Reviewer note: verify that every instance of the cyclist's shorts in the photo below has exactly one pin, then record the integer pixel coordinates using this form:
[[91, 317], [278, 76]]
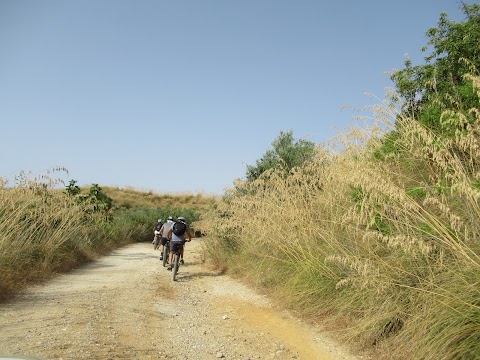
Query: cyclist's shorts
[[174, 245], [164, 240]]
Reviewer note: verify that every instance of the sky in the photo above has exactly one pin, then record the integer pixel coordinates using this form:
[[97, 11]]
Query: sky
[[179, 96]]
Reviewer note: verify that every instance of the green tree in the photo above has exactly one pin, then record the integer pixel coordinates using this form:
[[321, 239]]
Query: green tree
[[100, 200], [286, 154], [440, 84], [72, 188], [96, 197]]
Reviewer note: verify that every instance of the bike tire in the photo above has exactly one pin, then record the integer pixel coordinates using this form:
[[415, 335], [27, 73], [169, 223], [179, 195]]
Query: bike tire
[[176, 261], [165, 254]]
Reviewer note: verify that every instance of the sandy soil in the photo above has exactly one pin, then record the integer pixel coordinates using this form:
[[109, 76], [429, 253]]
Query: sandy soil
[[126, 306]]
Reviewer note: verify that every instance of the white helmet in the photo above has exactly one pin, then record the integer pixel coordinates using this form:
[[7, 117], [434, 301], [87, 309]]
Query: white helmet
[[159, 220], [181, 218]]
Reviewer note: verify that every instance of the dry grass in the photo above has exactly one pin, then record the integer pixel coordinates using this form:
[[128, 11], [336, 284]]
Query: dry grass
[[133, 198], [389, 246], [43, 232]]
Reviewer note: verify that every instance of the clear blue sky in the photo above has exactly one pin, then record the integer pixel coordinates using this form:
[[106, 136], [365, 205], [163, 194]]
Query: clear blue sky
[[118, 91]]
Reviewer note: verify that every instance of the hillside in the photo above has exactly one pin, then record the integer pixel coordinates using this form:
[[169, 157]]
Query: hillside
[[133, 198]]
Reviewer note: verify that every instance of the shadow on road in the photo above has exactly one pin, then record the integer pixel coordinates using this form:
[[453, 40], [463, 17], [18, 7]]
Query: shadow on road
[[185, 277]]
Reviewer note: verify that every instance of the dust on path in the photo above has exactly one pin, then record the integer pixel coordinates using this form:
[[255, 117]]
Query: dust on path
[[126, 306]]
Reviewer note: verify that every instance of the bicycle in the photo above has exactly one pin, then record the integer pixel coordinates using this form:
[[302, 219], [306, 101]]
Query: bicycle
[[166, 253], [176, 260]]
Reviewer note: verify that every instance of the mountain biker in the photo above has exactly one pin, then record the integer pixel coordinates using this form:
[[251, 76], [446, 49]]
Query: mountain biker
[[156, 233], [164, 231], [178, 241]]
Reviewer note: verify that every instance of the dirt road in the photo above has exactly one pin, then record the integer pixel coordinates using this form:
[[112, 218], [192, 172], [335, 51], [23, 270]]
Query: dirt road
[[126, 306]]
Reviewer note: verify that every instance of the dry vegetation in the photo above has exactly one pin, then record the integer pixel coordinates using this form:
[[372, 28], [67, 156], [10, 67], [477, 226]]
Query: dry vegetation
[[383, 243], [45, 230], [133, 198]]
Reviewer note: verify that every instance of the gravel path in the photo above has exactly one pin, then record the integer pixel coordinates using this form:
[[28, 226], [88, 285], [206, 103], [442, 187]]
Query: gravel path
[[126, 306]]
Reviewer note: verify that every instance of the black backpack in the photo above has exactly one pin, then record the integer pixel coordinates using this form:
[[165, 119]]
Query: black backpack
[[179, 228]]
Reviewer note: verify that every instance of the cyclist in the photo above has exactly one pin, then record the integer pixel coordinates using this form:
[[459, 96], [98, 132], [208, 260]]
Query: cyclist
[[178, 240], [156, 234], [164, 231]]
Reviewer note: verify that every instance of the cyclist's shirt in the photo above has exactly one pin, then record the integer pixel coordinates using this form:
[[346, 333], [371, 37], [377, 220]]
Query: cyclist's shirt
[[181, 238], [166, 227]]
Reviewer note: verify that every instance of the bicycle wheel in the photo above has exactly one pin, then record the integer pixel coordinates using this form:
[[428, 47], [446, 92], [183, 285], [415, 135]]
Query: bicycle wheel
[[176, 260], [165, 254]]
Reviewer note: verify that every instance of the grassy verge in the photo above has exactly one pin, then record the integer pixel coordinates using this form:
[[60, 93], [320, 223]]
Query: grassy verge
[[43, 232], [387, 246]]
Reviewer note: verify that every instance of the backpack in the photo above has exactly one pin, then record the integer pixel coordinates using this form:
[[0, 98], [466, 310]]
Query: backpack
[[158, 226], [179, 228]]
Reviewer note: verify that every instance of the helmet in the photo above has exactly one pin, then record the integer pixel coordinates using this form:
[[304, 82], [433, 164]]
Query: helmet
[[159, 220], [181, 218], [170, 218]]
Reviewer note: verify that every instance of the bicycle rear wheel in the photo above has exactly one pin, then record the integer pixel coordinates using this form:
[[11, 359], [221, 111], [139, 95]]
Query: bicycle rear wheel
[[176, 260], [165, 254]]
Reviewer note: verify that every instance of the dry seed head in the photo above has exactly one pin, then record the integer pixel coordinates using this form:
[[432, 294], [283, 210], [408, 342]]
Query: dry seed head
[[454, 220], [377, 186], [409, 244], [364, 274], [450, 117], [361, 267], [471, 66], [3, 183], [475, 82], [343, 283], [475, 114], [465, 188]]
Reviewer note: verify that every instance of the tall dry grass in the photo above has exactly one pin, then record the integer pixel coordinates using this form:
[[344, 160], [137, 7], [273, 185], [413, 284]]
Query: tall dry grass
[[387, 246], [44, 231]]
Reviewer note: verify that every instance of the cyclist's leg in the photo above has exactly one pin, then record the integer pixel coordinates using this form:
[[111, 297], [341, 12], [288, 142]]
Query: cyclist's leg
[[163, 242], [181, 252], [170, 256], [173, 249]]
